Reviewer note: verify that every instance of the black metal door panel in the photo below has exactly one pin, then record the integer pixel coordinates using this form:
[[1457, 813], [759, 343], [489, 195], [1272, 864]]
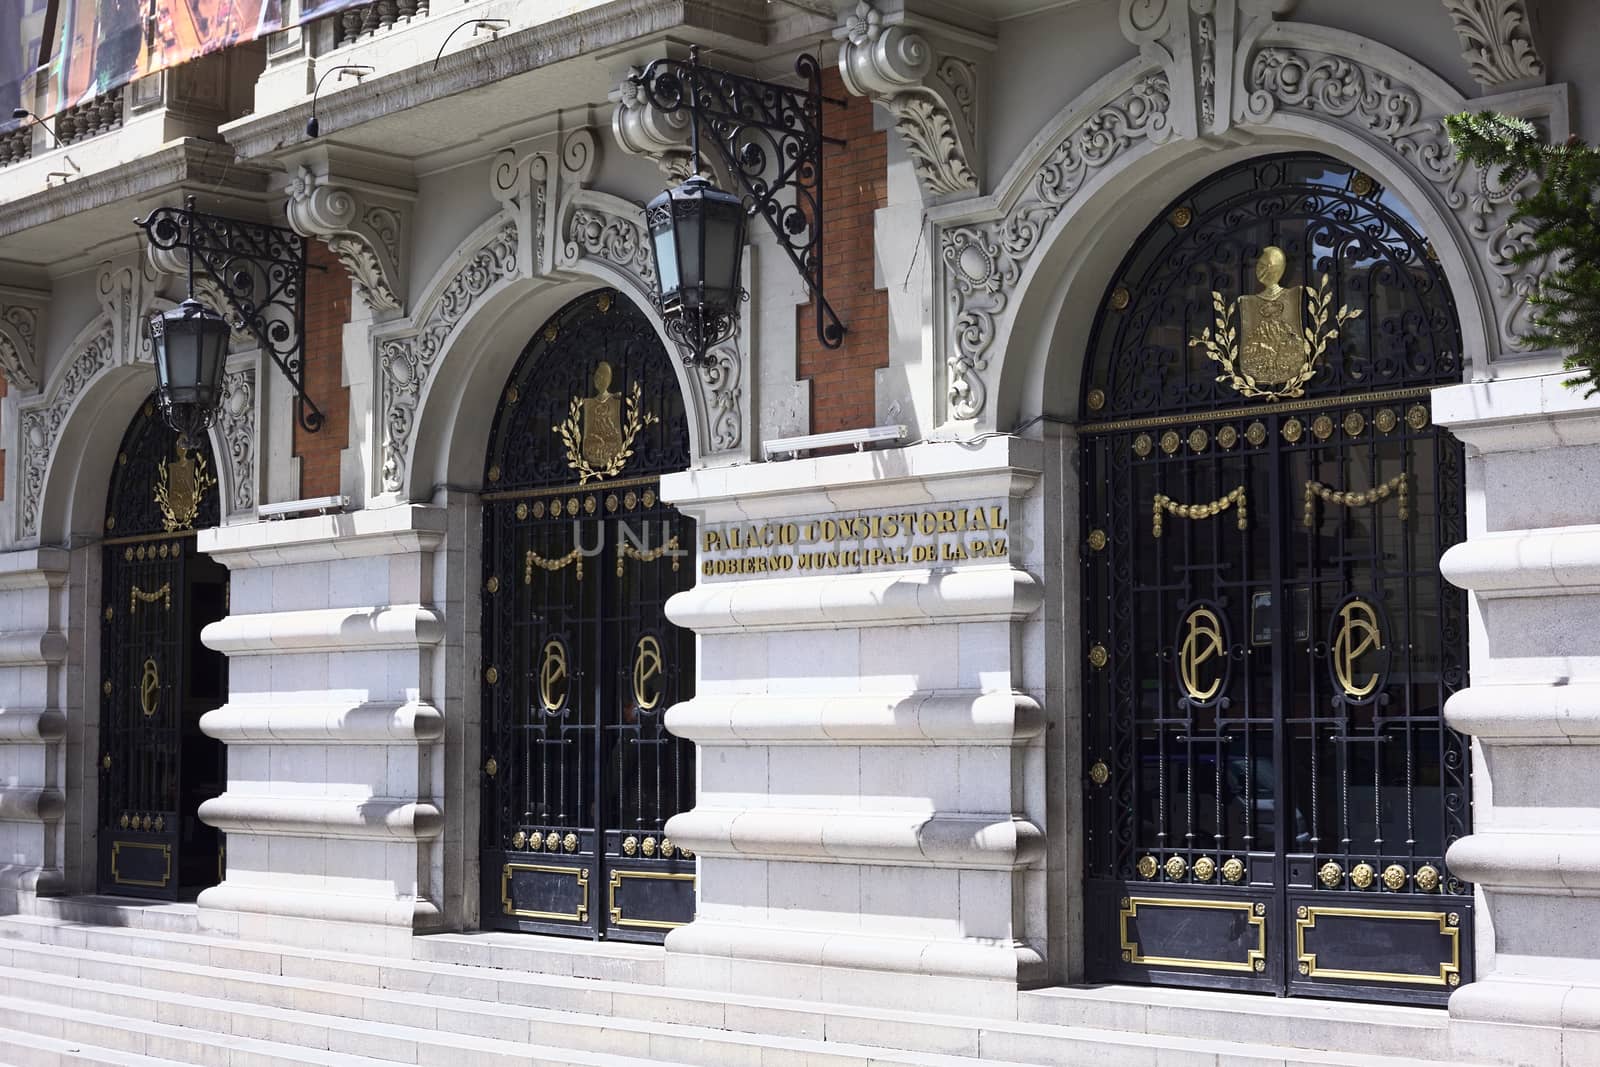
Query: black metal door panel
[[157, 679], [580, 662], [1270, 786]]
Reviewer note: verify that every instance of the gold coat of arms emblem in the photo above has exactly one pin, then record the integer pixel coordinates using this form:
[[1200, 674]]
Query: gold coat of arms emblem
[[1272, 353], [180, 487], [599, 430]]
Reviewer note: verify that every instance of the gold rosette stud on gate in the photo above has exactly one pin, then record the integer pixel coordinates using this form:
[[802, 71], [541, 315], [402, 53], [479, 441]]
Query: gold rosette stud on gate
[[1262, 341]]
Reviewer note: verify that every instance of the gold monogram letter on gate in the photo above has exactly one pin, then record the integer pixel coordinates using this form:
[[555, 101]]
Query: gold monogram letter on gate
[[1359, 633], [646, 669], [1203, 641], [150, 689], [553, 675], [1279, 352]]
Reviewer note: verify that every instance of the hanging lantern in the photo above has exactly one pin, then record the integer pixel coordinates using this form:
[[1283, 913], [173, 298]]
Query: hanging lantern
[[191, 343], [697, 237]]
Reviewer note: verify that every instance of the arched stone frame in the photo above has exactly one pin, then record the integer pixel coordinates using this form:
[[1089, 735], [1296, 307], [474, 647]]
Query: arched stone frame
[[1021, 276], [1067, 199], [552, 233]]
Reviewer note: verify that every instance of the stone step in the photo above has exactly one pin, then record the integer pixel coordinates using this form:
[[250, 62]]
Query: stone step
[[76, 1035], [378, 991], [403, 1028], [21, 1049]]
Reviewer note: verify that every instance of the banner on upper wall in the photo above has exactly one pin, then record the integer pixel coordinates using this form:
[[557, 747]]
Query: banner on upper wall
[[21, 26], [98, 45]]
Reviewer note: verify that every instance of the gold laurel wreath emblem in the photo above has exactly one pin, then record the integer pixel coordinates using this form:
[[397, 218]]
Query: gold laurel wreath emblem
[[1220, 342], [571, 432]]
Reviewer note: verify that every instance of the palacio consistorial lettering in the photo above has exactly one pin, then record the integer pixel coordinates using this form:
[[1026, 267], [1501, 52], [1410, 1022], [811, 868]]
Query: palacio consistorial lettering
[[868, 541]]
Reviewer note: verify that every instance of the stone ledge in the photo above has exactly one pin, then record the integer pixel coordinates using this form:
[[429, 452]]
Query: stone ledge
[[1522, 564], [328, 907], [856, 949], [31, 725], [399, 530], [1518, 414], [383, 818], [907, 719], [365, 629], [30, 804], [970, 841], [369, 723], [1565, 862], [1528, 714], [893, 598], [34, 568], [32, 648], [927, 473]]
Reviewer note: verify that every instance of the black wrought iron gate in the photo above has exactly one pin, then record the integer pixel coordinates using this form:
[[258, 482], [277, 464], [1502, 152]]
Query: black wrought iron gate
[[580, 662], [1269, 784], [157, 679]]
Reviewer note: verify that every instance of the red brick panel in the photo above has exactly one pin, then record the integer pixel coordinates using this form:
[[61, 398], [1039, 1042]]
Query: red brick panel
[[327, 312], [854, 185]]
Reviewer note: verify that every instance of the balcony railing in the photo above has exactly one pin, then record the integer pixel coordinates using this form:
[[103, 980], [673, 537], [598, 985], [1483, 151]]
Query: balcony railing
[[100, 115], [359, 22], [16, 146]]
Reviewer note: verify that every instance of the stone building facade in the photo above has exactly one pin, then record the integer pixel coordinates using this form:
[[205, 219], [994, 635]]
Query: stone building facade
[[587, 702]]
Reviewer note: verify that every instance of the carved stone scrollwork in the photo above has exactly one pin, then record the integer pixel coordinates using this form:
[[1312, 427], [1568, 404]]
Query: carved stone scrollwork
[[1410, 122], [644, 130], [1497, 42], [41, 425], [405, 363], [984, 261], [932, 97], [236, 433], [19, 337], [1194, 42], [363, 229]]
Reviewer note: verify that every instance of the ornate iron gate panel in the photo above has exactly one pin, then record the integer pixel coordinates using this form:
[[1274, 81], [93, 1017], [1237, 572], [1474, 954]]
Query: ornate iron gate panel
[[157, 679], [580, 662], [1268, 645]]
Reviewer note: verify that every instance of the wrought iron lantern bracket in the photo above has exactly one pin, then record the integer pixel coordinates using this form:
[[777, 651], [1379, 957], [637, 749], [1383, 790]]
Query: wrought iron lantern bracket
[[260, 271], [769, 137]]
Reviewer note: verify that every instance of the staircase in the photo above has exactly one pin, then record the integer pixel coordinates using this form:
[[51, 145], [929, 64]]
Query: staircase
[[136, 986]]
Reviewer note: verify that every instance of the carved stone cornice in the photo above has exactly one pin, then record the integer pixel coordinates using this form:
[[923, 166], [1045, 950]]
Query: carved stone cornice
[[642, 129], [20, 343], [1195, 41], [933, 96], [362, 224], [1497, 42]]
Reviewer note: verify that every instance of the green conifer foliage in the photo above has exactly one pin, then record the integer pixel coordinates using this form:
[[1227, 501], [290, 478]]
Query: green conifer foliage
[[1563, 215]]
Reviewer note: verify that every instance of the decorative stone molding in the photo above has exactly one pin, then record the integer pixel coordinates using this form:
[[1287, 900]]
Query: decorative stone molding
[[1317, 72], [982, 262], [40, 425], [405, 363], [1497, 42], [1194, 42], [362, 227], [932, 97], [19, 337], [236, 433], [642, 129]]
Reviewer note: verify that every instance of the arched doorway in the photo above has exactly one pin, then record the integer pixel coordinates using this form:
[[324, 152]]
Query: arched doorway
[[580, 663], [1270, 787], [157, 678]]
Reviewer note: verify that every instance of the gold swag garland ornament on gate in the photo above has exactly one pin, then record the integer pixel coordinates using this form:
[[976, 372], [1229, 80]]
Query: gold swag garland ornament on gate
[[1279, 352]]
